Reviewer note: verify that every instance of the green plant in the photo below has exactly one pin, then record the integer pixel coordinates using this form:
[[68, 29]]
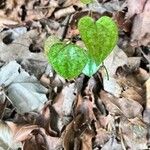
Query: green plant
[[70, 60], [99, 37]]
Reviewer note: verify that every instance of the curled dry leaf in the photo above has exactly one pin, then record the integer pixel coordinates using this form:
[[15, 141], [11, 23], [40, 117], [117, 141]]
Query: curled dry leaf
[[64, 12], [40, 141], [6, 137], [45, 118], [85, 106], [142, 75], [71, 2]]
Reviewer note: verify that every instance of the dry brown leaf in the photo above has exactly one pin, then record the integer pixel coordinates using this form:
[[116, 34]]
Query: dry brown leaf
[[86, 139], [118, 106], [140, 30], [135, 7], [45, 118], [27, 10], [131, 88], [79, 131], [40, 141], [21, 132], [63, 105], [101, 137], [142, 75], [132, 94], [64, 12], [147, 109], [72, 133], [123, 24], [134, 133], [6, 137], [147, 85], [64, 101], [4, 22], [85, 107], [72, 2]]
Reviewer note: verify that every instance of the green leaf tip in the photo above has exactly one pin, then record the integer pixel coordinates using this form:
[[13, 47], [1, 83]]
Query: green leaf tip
[[86, 1], [68, 60], [100, 37]]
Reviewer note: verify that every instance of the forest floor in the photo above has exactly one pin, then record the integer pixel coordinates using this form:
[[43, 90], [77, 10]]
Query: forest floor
[[40, 110]]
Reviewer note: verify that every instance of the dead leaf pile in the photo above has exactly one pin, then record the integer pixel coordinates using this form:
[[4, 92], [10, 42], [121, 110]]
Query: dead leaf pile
[[39, 110]]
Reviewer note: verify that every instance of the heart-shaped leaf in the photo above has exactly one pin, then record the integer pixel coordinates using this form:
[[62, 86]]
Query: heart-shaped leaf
[[99, 37], [67, 60]]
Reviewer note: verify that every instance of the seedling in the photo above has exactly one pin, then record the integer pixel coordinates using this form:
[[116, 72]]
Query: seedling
[[70, 60]]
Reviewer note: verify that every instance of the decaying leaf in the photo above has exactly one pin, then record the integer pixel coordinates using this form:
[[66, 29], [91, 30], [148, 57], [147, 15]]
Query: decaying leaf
[[39, 140], [134, 133], [24, 91], [147, 109], [141, 24], [63, 104], [112, 144], [118, 106], [102, 137], [6, 138], [135, 7], [116, 59]]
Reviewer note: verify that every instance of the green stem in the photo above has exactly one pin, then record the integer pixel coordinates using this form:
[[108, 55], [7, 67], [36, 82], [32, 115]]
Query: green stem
[[105, 70]]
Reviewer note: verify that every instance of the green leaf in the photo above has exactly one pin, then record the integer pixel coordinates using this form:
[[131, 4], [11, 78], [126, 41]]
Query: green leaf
[[90, 68], [67, 60], [51, 40], [86, 1], [99, 37]]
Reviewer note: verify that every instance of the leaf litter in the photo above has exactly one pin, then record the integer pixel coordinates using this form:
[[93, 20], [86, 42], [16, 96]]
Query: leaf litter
[[41, 110]]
